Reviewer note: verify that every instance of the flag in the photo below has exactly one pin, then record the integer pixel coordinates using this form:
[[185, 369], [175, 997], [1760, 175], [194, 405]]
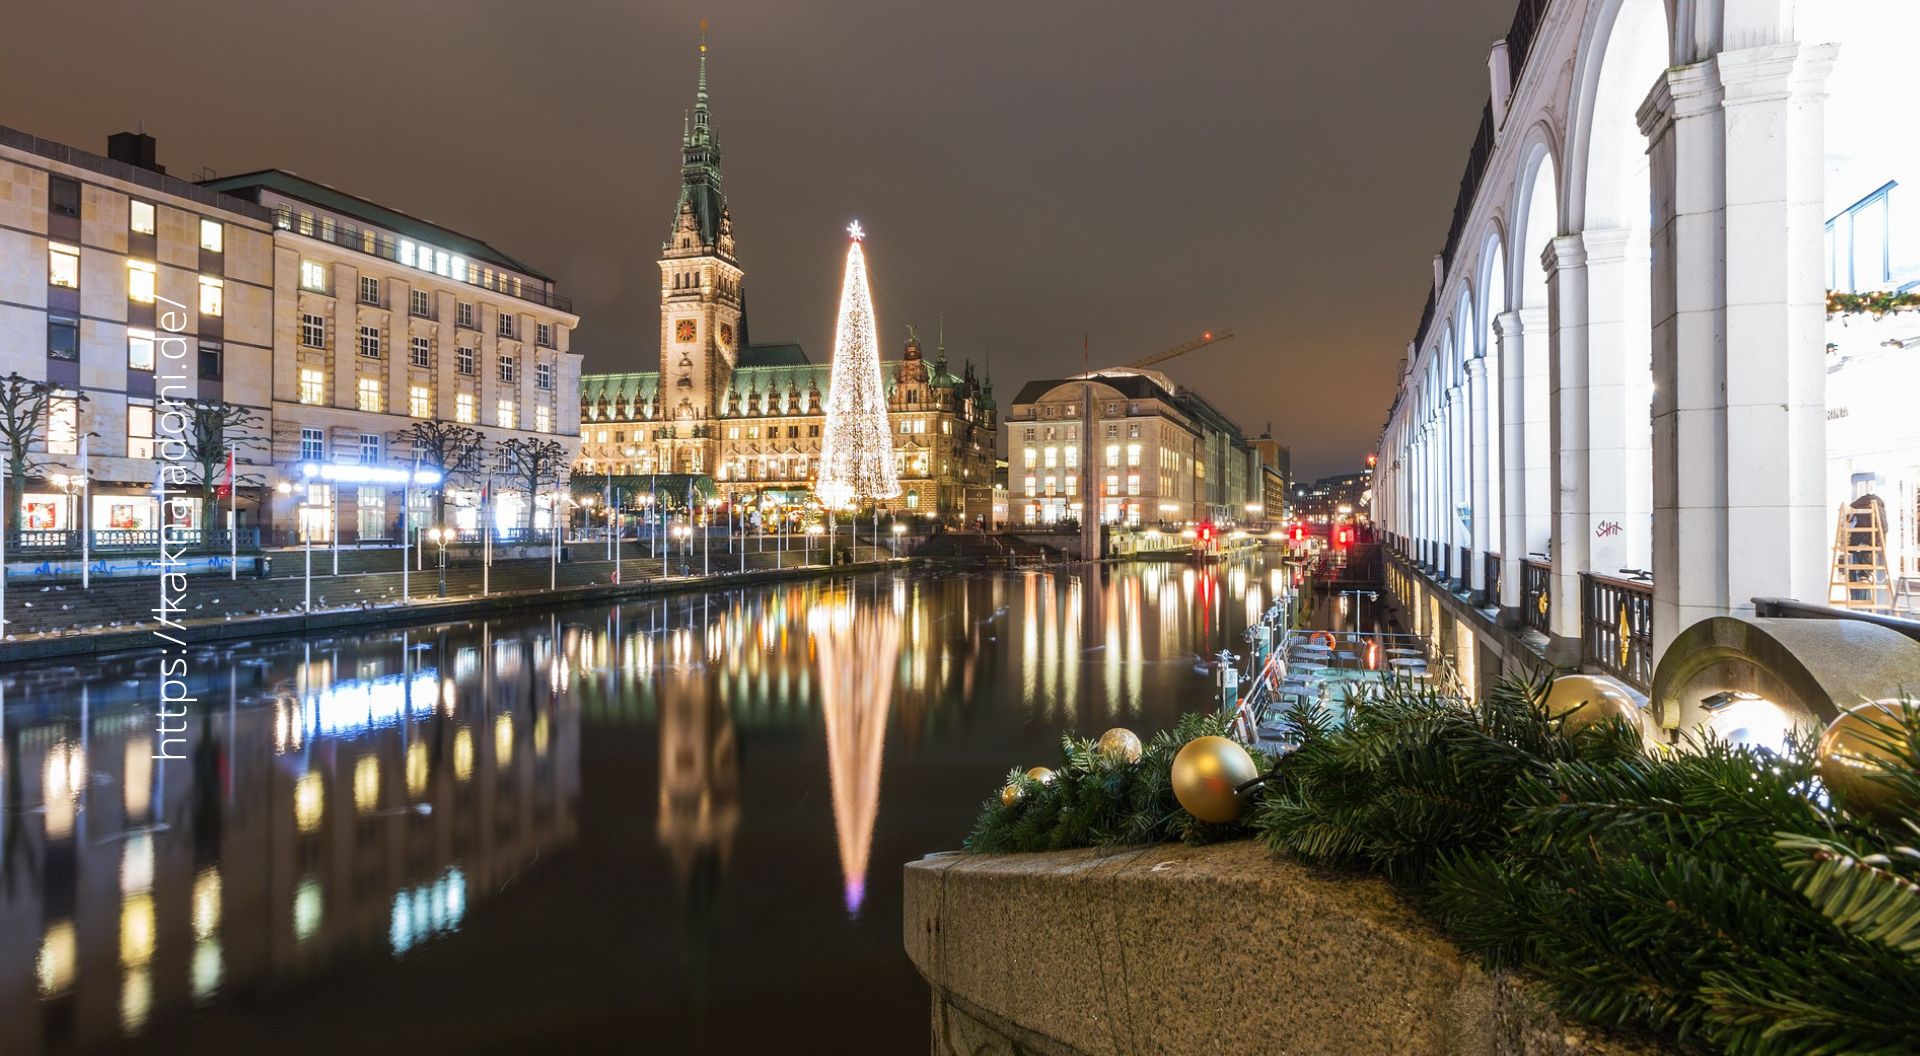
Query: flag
[[84, 457], [225, 488]]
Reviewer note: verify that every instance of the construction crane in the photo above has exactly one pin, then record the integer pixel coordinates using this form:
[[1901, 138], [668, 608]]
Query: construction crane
[[1211, 337]]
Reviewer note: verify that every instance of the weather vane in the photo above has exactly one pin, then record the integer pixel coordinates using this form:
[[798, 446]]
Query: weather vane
[[855, 231]]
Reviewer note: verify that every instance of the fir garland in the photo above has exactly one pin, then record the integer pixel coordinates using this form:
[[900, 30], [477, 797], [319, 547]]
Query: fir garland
[[1717, 894], [1876, 303]]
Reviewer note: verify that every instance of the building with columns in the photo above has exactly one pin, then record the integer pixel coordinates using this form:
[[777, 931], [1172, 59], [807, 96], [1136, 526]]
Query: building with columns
[[1626, 406], [745, 419]]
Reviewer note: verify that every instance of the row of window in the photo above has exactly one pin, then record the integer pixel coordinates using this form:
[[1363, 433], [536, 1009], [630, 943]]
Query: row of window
[[370, 394], [313, 334], [317, 276], [63, 269], [1051, 485]]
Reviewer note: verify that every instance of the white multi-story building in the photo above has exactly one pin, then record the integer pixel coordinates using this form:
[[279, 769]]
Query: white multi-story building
[[382, 320]]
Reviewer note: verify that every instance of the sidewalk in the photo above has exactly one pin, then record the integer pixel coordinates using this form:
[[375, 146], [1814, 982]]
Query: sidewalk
[[115, 615]]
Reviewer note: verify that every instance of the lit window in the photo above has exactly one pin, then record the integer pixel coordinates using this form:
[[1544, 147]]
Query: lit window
[[463, 409], [213, 236], [140, 217], [1033, 456], [315, 276], [63, 424], [1133, 454], [1133, 483], [464, 360], [313, 445], [139, 350], [543, 419], [140, 281], [371, 395], [370, 342], [313, 386], [63, 265], [313, 331], [212, 296], [420, 401], [1053, 457], [369, 449], [505, 415], [139, 428], [1030, 485], [1113, 454], [417, 348], [1073, 457]]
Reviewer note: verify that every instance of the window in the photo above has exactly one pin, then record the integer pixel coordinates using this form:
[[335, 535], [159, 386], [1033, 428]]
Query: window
[[421, 303], [505, 415], [1133, 483], [503, 367], [1113, 454], [543, 419], [139, 428], [1072, 457], [369, 449], [1133, 432], [315, 276], [63, 265], [139, 350], [544, 335], [506, 324], [369, 290], [371, 396], [813, 430], [1052, 457], [63, 424], [543, 377], [370, 342], [313, 446], [420, 401], [463, 315], [63, 337], [1112, 431], [313, 331], [210, 355], [213, 236], [140, 281], [1030, 485], [140, 217], [463, 409], [313, 386], [417, 351], [63, 196], [464, 359], [1133, 454], [212, 296]]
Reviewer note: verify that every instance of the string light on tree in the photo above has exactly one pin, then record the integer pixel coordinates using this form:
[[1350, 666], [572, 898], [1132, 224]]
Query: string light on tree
[[856, 453]]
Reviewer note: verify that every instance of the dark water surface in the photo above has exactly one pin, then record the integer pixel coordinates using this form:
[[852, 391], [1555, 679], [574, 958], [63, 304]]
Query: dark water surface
[[674, 827]]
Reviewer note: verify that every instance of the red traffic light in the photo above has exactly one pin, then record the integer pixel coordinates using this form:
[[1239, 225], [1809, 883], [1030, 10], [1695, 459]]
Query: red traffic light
[[1343, 537], [1206, 533], [1298, 533]]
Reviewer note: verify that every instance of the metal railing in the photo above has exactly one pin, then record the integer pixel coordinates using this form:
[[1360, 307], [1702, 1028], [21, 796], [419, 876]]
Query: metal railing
[[40, 542], [1788, 608], [1616, 628], [388, 248], [1521, 33], [1536, 595]]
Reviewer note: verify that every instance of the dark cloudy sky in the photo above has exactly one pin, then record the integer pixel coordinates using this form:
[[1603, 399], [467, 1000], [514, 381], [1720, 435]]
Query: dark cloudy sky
[[1031, 170]]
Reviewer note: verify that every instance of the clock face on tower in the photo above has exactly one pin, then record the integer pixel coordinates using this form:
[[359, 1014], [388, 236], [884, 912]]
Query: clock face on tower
[[726, 335], [684, 330]]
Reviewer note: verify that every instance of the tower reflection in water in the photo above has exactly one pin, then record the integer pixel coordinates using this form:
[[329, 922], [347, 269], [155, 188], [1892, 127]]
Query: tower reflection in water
[[358, 798]]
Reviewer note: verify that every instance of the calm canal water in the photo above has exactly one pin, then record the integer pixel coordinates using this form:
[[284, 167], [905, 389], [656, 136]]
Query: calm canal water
[[674, 826]]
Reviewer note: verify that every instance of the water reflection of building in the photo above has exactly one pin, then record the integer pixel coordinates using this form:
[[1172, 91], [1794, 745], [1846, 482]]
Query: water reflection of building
[[699, 784], [857, 653], [358, 812]]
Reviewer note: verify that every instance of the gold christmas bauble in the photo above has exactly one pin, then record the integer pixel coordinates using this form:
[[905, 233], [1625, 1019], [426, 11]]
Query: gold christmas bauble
[[1851, 753], [1205, 774], [1010, 795], [1119, 745], [1583, 700], [1040, 774]]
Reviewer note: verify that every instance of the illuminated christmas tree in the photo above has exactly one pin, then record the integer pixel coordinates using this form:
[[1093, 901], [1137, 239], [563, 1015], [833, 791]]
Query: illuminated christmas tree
[[856, 454]]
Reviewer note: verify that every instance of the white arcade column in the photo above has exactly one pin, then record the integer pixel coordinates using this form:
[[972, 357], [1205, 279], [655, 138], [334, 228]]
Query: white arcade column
[[1485, 517]]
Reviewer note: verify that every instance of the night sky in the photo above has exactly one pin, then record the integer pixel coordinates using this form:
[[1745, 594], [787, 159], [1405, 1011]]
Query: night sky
[[1031, 171]]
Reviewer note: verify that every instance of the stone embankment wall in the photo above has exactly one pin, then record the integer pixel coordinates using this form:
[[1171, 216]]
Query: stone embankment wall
[[1221, 950]]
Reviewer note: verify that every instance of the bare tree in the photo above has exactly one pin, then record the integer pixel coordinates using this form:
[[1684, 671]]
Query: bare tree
[[531, 464], [454, 450], [213, 428], [23, 420]]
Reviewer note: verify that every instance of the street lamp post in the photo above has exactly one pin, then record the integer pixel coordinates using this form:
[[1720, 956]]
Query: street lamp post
[[898, 530], [440, 535], [812, 530]]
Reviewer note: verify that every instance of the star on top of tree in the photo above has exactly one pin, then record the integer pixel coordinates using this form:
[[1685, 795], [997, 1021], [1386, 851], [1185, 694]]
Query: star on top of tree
[[855, 231]]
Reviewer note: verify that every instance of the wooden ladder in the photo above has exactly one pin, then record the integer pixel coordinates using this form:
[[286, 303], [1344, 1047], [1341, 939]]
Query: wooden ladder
[[1860, 578]]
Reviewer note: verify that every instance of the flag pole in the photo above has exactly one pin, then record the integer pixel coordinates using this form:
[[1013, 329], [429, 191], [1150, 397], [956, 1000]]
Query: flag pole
[[233, 519], [406, 531]]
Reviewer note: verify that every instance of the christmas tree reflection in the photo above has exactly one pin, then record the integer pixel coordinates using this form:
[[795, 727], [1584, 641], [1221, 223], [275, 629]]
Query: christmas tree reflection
[[857, 652]]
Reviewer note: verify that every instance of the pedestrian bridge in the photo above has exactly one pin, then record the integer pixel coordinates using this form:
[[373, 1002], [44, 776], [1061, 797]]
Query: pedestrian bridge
[[1669, 363]]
